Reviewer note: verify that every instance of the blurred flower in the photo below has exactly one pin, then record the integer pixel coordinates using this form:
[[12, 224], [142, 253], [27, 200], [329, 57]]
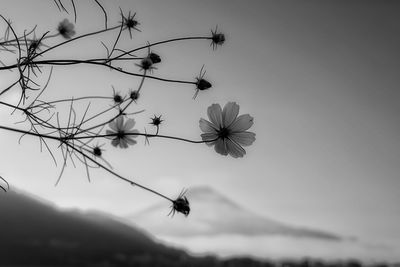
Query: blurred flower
[[134, 95], [97, 151], [120, 131], [227, 130], [66, 29], [117, 98]]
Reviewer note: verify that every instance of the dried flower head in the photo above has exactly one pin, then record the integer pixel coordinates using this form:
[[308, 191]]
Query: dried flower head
[[201, 83], [181, 204], [227, 131], [217, 38], [97, 151], [121, 131], [156, 121], [66, 29], [134, 95], [117, 98], [146, 64], [130, 23]]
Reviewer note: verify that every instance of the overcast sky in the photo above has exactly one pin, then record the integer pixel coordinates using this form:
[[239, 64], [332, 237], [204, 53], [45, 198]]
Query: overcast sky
[[320, 79]]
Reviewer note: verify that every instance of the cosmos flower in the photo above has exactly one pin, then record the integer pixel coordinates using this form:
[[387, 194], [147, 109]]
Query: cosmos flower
[[66, 29], [121, 131], [227, 130]]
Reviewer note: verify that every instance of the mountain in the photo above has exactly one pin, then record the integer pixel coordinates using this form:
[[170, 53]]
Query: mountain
[[214, 214], [36, 233]]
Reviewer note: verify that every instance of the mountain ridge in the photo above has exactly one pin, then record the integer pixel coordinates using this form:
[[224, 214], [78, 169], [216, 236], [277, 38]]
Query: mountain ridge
[[212, 213]]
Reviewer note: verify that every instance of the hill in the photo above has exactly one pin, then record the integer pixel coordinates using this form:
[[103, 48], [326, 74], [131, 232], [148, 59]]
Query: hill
[[36, 233]]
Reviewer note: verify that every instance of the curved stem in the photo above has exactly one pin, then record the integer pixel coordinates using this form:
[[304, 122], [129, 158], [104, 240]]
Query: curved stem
[[117, 175], [147, 136]]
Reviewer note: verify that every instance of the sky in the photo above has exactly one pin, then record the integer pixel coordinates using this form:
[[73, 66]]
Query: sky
[[320, 79]]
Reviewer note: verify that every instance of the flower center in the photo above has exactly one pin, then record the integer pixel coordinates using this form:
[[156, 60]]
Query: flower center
[[120, 134], [131, 23], [223, 133]]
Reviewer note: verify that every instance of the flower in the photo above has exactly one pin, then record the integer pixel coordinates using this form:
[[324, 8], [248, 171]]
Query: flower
[[97, 151], [117, 98], [134, 95], [146, 64], [66, 29], [130, 23], [120, 131], [156, 121], [180, 204], [201, 83], [155, 58], [217, 38], [227, 131]]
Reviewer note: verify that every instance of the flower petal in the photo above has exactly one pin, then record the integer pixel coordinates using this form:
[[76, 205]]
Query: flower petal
[[132, 133], [242, 123], [230, 113], [215, 114], [220, 147], [129, 124], [123, 143], [130, 140], [113, 126], [209, 136], [110, 132], [243, 138], [207, 126], [234, 149], [115, 141], [120, 123]]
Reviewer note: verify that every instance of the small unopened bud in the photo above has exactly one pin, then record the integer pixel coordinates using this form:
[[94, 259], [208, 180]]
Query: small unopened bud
[[134, 95], [181, 205], [97, 151], [154, 58], [218, 38], [203, 84], [156, 121], [117, 98]]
